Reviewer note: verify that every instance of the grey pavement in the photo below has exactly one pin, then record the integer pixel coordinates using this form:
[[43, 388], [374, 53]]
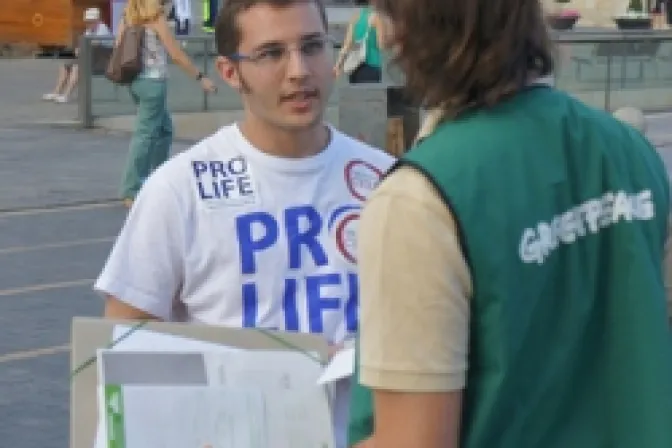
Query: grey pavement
[[58, 219]]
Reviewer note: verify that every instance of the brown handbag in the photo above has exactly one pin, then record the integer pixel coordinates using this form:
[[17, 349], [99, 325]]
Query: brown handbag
[[126, 60]]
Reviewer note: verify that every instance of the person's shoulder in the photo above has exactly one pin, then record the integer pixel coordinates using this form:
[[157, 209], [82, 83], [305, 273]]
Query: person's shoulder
[[349, 147]]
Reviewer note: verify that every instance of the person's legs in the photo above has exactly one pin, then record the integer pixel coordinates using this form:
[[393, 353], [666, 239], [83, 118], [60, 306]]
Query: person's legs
[[72, 83], [161, 149], [63, 72], [149, 123]]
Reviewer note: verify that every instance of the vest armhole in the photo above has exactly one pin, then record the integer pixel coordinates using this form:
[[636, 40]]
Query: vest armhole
[[446, 201]]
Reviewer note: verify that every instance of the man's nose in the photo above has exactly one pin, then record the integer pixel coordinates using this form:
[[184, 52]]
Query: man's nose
[[297, 65]]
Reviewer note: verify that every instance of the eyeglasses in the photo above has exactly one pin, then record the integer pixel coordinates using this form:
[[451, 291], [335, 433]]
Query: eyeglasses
[[276, 55]]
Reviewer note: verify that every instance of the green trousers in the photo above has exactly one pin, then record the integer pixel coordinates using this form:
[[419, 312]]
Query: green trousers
[[152, 137]]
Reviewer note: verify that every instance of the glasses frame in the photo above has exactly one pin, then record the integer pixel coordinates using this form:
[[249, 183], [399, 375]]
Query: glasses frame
[[256, 57]]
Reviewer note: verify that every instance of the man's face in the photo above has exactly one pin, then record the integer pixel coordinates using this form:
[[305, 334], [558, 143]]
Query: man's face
[[284, 71]]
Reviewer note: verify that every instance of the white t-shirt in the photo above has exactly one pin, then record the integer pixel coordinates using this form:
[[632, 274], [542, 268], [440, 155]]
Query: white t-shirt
[[101, 30], [225, 234]]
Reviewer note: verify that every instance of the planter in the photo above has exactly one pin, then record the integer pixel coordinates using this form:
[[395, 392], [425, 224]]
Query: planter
[[634, 23], [562, 23]]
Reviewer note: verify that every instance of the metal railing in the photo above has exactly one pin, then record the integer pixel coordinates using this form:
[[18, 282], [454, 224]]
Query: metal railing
[[604, 68], [613, 53], [90, 70]]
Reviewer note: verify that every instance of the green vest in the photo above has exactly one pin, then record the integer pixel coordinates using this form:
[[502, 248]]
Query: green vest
[[360, 427], [562, 213]]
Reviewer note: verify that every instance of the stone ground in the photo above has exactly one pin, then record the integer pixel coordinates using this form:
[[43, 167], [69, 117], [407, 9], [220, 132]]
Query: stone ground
[[58, 219]]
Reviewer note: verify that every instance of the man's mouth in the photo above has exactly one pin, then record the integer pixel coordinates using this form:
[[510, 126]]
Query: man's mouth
[[301, 96]]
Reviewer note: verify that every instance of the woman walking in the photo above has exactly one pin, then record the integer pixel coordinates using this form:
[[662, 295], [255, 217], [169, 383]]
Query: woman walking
[[365, 29], [153, 134]]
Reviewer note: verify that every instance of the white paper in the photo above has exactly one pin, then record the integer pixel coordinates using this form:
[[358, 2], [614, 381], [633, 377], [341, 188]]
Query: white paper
[[342, 366], [248, 398], [147, 340], [150, 341], [193, 416]]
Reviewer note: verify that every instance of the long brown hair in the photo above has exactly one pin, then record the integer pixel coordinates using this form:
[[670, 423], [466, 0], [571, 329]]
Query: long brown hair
[[462, 54]]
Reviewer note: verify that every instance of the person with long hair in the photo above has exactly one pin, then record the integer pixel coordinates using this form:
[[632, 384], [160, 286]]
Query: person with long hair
[[153, 134], [515, 264], [364, 29]]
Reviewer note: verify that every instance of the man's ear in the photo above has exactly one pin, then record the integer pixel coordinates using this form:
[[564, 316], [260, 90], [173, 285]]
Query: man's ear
[[228, 72]]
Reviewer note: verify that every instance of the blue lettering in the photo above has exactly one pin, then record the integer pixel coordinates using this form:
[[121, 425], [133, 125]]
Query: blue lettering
[[237, 166], [247, 245], [250, 305], [296, 238], [199, 168], [316, 303], [352, 305], [201, 191], [217, 167], [227, 186], [215, 189], [245, 186], [289, 305]]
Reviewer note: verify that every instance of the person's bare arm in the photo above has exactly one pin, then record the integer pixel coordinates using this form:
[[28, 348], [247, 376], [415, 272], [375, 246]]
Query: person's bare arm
[[427, 420], [381, 31], [347, 42], [413, 340], [120, 32], [117, 309], [173, 47]]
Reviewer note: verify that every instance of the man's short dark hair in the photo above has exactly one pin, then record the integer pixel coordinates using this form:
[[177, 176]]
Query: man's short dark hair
[[462, 54], [227, 31]]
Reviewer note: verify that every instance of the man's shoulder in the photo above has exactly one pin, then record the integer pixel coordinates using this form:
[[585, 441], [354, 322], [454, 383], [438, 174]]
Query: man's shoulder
[[351, 148]]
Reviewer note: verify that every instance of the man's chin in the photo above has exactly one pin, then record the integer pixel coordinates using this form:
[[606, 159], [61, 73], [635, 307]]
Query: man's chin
[[302, 122]]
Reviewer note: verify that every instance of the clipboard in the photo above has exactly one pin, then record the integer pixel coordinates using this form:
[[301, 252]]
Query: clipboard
[[88, 335]]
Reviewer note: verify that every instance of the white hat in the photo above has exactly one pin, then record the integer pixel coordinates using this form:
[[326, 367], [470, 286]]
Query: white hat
[[92, 14]]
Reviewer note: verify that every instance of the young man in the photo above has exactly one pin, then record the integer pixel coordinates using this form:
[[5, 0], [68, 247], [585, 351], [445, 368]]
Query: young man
[[513, 266], [255, 226]]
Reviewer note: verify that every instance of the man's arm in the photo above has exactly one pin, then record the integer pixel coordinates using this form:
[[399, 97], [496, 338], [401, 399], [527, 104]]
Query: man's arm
[[143, 274], [415, 289], [116, 309]]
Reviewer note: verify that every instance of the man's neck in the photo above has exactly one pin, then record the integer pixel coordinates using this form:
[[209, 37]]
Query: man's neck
[[291, 144]]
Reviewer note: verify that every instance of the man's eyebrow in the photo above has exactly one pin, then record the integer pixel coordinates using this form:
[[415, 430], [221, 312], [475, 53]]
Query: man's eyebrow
[[277, 43]]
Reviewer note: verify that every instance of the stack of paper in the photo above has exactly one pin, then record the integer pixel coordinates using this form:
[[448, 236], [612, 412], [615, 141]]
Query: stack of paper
[[163, 391]]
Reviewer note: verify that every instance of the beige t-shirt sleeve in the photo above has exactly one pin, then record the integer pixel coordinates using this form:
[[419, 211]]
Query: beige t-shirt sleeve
[[405, 228], [668, 269]]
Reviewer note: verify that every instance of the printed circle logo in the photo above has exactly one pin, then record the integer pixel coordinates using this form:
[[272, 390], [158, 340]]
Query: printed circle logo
[[361, 178], [343, 229]]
